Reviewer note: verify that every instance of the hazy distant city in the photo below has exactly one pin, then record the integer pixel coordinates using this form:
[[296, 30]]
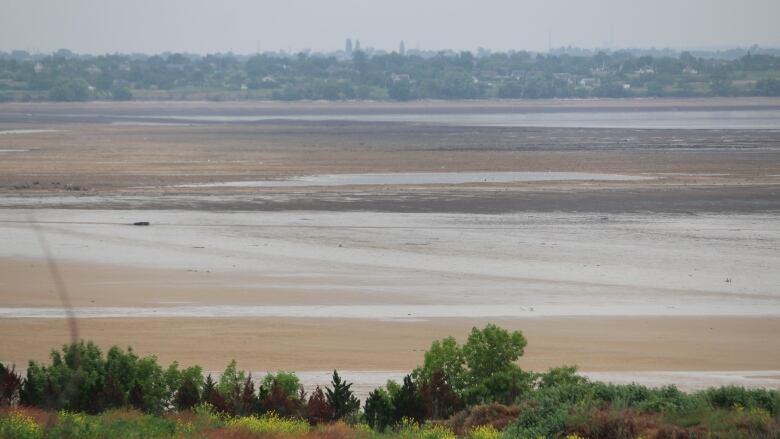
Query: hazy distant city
[[364, 73]]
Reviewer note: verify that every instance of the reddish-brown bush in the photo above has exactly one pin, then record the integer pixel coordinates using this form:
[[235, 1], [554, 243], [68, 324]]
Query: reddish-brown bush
[[317, 409], [496, 415], [279, 402], [612, 424], [675, 432], [336, 430]]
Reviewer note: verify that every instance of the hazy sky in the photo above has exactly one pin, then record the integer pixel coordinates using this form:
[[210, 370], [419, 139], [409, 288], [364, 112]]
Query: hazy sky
[[244, 26]]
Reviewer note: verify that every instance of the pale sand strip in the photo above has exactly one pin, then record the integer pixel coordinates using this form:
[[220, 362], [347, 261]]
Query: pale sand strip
[[559, 264], [595, 344]]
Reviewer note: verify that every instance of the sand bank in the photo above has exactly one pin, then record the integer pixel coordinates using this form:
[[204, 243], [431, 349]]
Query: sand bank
[[595, 344]]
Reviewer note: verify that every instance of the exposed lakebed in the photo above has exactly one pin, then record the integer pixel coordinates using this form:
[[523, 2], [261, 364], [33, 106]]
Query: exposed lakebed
[[421, 178]]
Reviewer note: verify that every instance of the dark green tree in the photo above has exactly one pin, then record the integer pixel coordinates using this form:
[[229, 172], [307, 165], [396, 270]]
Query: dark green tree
[[190, 388], [341, 399], [378, 410], [408, 403], [212, 395], [10, 386]]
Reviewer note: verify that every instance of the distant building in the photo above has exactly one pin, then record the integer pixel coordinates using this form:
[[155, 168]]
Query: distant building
[[38, 67], [565, 77], [402, 48], [600, 71], [348, 47], [647, 70], [396, 77], [590, 82], [689, 70], [357, 44], [518, 74]]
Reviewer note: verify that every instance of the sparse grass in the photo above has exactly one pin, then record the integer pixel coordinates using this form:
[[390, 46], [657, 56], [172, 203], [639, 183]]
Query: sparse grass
[[409, 429], [270, 425], [484, 432]]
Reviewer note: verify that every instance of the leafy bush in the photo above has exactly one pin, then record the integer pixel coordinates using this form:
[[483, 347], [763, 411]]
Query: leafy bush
[[288, 381], [483, 369], [732, 396], [538, 419]]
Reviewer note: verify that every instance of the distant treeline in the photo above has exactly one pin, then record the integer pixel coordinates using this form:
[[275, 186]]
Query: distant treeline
[[383, 76], [458, 387]]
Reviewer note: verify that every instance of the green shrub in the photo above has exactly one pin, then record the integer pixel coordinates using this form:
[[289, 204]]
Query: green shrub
[[729, 397], [538, 419], [117, 424], [72, 425]]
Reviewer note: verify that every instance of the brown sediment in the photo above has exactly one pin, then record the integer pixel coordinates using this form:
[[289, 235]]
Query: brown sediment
[[593, 343]]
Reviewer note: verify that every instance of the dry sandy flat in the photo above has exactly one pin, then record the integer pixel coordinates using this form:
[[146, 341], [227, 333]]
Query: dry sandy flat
[[595, 344]]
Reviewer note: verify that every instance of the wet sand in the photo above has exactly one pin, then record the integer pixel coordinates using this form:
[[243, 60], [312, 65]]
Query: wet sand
[[531, 263]]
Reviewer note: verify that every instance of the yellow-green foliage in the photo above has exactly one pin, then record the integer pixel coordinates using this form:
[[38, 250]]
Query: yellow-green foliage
[[484, 432], [364, 431], [74, 425], [409, 429], [574, 436], [207, 416], [755, 418], [185, 428], [19, 426], [270, 424]]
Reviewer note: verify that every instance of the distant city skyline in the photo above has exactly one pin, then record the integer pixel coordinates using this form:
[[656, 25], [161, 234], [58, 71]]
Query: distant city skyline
[[244, 26]]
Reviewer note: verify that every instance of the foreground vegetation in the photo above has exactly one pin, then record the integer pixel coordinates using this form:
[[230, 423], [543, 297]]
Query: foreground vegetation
[[474, 390], [64, 76]]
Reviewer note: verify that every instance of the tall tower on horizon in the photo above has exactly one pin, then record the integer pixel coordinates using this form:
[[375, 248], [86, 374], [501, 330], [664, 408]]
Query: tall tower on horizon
[[402, 48], [348, 47]]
